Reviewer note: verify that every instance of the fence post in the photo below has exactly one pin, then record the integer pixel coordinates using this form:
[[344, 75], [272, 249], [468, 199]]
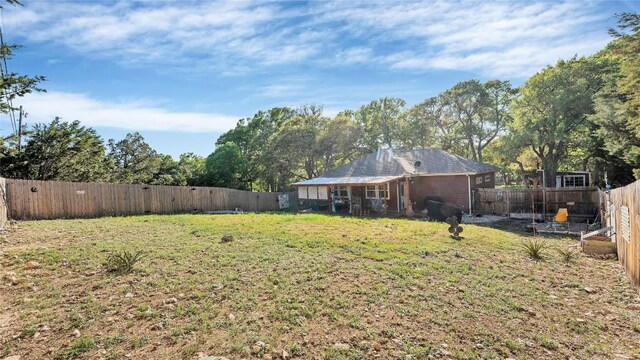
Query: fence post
[[508, 195], [544, 203]]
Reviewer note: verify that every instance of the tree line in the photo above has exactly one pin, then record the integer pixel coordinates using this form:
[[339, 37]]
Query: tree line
[[580, 114]]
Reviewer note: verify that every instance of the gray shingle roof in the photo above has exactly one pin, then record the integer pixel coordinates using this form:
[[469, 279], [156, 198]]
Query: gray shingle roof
[[401, 162]]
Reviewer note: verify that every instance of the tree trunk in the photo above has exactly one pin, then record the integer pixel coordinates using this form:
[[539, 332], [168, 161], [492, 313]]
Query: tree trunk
[[550, 166]]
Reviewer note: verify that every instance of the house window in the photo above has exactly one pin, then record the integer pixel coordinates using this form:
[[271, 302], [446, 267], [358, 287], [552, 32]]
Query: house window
[[340, 192], [323, 194], [377, 192], [302, 192], [574, 181], [371, 192], [313, 192], [478, 180]]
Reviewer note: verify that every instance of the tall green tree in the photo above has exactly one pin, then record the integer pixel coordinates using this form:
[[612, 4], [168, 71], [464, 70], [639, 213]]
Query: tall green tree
[[12, 86], [227, 167], [552, 110], [133, 161], [253, 137], [190, 170], [617, 104], [477, 113], [381, 122], [63, 151]]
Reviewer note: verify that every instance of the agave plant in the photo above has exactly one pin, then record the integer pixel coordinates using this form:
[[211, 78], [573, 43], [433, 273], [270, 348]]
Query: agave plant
[[123, 262], [568, 254], [534, 248]]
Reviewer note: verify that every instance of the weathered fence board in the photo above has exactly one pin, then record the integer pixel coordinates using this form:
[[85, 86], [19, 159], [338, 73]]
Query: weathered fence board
[[31, 199], [3, 204], [579, 201], [626, 228]]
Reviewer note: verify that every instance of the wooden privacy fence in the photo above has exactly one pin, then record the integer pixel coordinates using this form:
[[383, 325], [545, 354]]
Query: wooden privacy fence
[[545, 202], [30, 199], [623, 214]]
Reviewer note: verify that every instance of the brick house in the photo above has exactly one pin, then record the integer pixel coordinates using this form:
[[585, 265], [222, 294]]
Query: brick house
[[402, 180]]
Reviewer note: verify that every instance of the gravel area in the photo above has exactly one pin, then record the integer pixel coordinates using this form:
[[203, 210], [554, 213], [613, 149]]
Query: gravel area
[[471, 219]]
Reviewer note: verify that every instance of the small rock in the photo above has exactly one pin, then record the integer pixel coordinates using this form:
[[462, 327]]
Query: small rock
[[589, 290], [45, 328], [256, 349], [129, 316], [633, 307], [217, 287], [284, 354], [76, 333], [171, 300], [227, 238], [377, 346], [341, 346], [32, 265], [232, 317], [156, 327], [128, 295], [12, 357], [580, 320], [444, 352], [89, 273], [267, 357]]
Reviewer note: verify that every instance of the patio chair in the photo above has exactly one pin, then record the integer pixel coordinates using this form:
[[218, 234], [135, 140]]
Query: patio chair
[[378, 206], [561, 220]]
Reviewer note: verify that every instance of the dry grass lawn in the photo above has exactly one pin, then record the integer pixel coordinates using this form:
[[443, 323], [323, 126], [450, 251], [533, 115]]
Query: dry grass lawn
[[305, 287]]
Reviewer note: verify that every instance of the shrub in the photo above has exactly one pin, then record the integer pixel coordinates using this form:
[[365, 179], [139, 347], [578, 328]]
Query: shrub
[[535, 248], [124, 261]]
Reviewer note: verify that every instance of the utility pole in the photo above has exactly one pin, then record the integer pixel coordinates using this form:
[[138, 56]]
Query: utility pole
[[20, 128]]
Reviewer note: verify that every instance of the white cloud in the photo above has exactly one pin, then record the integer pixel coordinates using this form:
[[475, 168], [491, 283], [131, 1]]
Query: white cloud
[[355, 55], [512, 39], [130, 115], [239, 37], [220, 35]]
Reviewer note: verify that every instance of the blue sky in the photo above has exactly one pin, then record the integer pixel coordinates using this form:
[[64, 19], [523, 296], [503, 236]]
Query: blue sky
[[182, 72]]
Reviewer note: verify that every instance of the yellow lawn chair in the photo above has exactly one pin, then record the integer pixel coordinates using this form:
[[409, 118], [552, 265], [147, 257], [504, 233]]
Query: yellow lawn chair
[[561, 220]]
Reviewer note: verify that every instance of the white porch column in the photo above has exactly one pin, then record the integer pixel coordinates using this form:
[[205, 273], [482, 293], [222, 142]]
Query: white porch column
[[469, 185], [407, 196]]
